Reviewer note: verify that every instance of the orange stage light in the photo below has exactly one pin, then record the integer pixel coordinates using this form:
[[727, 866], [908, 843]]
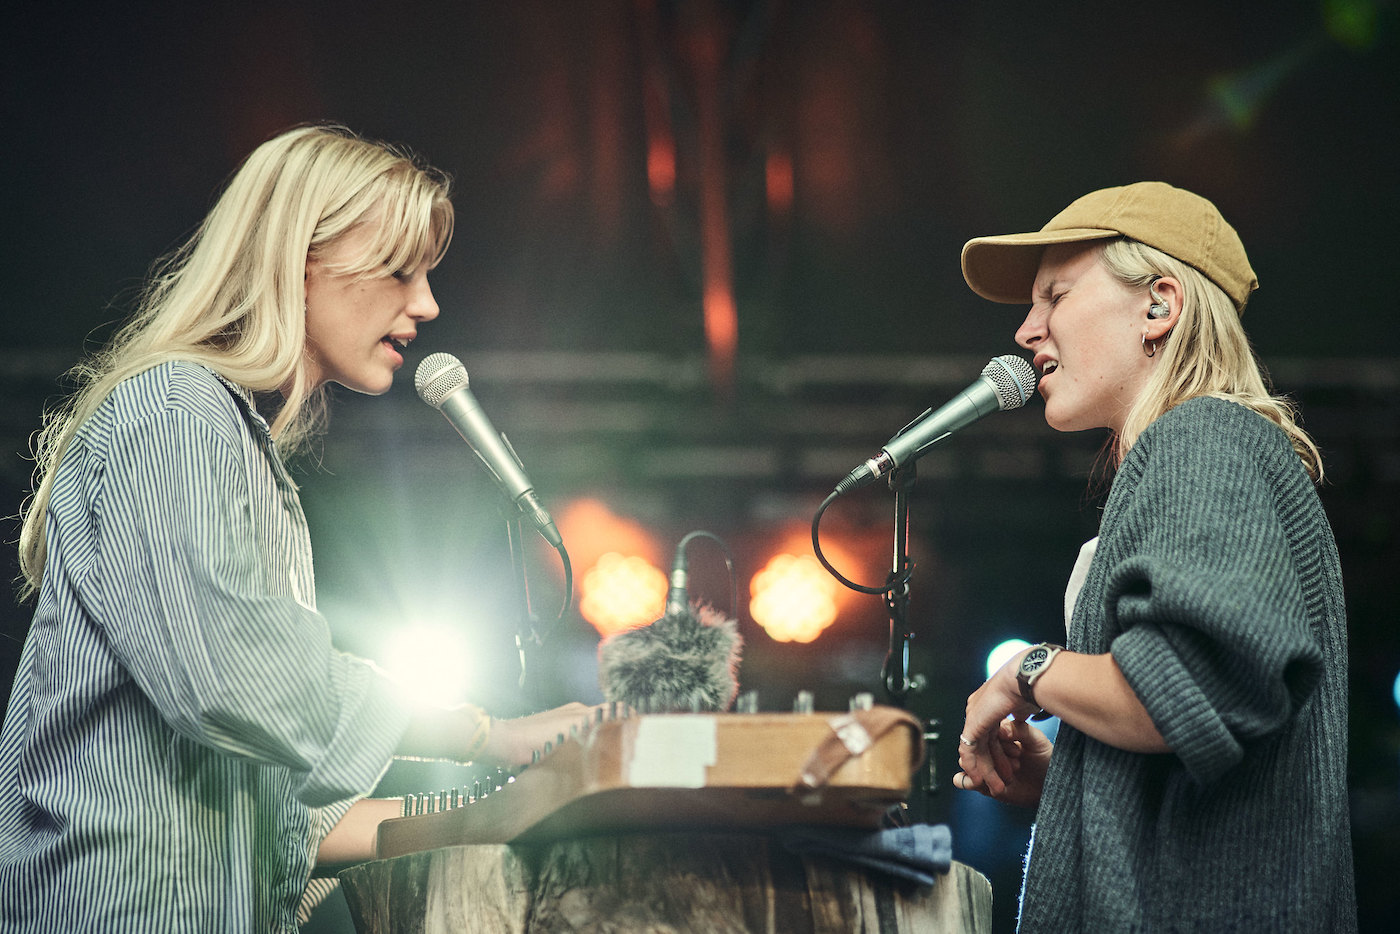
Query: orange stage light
[[622, 587], [661, 169], [591, 529], [622, 592], [794, 598], [777, 172]]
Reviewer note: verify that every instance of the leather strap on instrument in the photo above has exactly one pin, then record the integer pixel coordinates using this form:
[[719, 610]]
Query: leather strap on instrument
[[851, 735]]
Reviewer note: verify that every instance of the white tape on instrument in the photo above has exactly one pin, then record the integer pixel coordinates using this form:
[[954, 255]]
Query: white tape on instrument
[[672, 751]]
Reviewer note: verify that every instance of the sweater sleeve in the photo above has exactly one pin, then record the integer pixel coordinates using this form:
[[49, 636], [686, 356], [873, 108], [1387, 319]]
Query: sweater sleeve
[[1214, 633]]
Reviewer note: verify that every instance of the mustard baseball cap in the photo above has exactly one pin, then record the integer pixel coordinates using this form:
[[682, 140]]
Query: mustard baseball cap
[[1173, 220]]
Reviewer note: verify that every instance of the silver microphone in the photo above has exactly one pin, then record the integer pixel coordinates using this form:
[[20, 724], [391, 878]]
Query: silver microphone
[[441, 381], [1006, 383]]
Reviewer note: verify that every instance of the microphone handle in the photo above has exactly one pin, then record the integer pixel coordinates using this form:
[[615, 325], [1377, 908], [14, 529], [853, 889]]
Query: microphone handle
[[962, 410], [466, 415], [966, 407], [677, 597]]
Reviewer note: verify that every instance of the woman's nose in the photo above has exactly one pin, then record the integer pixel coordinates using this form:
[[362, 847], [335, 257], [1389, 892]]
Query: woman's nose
[[1032, 330], [423, 306]]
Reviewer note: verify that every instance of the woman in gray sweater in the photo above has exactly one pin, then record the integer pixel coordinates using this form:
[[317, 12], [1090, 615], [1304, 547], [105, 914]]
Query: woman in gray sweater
[[1198, 779]]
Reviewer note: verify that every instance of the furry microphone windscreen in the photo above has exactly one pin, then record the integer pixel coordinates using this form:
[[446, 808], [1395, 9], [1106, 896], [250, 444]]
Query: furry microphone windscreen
[[684, 662]]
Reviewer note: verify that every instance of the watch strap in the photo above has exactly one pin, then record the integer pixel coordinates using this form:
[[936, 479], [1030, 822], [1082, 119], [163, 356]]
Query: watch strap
[[1025, 683]]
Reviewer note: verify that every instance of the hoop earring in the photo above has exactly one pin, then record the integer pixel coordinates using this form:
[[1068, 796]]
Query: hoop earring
[[1159, 307], [1150, 349]]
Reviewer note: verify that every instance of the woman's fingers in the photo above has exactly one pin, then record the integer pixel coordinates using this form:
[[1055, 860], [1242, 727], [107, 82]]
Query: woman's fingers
[[1005, 766]]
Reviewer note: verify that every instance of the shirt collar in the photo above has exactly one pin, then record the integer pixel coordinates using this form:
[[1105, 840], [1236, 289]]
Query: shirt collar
[[250, 406]]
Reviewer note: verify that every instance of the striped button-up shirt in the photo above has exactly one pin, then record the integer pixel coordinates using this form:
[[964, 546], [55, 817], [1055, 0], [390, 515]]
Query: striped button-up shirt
[[181, 733]]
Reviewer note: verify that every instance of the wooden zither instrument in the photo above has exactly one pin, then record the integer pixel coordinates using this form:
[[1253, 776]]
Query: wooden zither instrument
[[685, 771]]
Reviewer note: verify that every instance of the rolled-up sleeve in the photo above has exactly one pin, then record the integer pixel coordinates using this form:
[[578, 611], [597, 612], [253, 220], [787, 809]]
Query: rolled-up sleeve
[[1214, 634], [203, 586]]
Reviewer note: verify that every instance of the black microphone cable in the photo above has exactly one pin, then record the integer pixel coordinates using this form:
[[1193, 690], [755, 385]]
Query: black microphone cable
[[677, 596]]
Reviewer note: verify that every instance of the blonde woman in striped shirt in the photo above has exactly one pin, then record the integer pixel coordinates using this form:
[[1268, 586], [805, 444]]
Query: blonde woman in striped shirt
[[183, 742]]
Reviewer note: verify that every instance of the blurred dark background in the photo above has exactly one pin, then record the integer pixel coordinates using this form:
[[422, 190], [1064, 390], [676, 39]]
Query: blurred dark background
[[818, 163]]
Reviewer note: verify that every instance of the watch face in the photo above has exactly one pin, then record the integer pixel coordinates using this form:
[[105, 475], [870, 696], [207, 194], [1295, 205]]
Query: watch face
[[1034, 659]]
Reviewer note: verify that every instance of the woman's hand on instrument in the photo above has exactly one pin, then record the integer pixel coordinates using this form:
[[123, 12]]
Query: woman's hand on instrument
[[1020, 755], [512, 742]]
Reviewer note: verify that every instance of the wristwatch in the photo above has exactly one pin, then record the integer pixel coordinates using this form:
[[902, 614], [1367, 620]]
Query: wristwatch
[[1033, 665]]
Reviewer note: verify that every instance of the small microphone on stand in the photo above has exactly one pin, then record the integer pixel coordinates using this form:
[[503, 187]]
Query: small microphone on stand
[[686, 661], [677, 595]]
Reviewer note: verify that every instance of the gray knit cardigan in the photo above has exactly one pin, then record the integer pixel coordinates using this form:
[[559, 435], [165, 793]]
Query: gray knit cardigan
[[1217, 588]]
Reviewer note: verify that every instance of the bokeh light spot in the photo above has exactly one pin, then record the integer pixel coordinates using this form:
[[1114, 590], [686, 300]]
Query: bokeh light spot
[[622, 592], [1003, 653], [794, 598]]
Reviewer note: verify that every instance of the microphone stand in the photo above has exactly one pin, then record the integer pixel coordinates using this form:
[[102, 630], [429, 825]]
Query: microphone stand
[[895, 671], [527, 636], [898, 680]]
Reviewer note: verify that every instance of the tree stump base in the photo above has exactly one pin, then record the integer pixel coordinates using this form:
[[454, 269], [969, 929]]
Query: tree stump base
[[655, 883]]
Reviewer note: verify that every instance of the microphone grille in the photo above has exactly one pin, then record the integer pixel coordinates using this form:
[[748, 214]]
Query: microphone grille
[[1013, 378], [438, 376]]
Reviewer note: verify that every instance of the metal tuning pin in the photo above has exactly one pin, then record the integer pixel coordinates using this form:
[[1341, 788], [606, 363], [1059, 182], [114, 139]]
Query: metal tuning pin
[[803, 703], [862, 701]]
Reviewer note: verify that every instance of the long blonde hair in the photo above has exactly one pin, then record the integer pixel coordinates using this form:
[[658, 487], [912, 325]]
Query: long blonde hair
[[1206, 353], [233, 296]]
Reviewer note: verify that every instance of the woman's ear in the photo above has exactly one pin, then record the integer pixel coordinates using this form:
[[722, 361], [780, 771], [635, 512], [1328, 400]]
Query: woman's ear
[[1163, 307]]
